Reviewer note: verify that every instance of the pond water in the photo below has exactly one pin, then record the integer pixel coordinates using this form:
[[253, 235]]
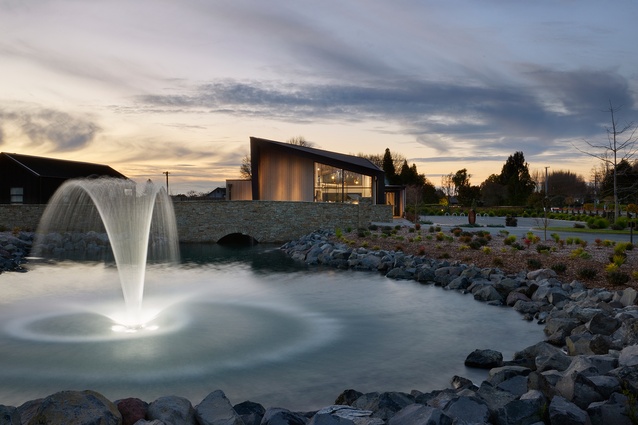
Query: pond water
[[250, 322]]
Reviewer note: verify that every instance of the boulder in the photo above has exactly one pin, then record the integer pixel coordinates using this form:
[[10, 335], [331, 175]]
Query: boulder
[[384, 405], [172, 410], [629, 356], [216, 409], [468, 410], [279, 416], [251, 413], [487, 293], [564, 412], [76, 408], [9, 415], [526, 410], [348, 397], [541, 274], [603, 324], [418, 414], [484, 359], [132, 410], [629, 297], [590, 389], [340, 414], [612, 411]]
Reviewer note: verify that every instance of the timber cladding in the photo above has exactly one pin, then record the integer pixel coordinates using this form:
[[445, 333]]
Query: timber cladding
[[266, 221]]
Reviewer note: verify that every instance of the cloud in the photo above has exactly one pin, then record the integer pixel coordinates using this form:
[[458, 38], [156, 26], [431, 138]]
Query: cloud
[[62, 131], [544, 110]]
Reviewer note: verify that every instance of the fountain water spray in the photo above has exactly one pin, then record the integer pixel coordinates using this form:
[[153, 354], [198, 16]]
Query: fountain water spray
[[138, 219]]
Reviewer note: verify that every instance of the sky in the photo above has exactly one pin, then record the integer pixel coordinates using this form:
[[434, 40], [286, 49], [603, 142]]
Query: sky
[[149, 86]]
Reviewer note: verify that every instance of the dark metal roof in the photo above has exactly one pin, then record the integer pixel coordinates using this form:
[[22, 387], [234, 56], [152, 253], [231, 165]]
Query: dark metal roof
[[350, 162], [59, 168]]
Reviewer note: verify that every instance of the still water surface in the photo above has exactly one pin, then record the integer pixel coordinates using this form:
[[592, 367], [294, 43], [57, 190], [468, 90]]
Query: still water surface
[[250, 322]]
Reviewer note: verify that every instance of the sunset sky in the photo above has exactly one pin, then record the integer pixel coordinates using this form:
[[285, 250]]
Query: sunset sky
[[180, 86]]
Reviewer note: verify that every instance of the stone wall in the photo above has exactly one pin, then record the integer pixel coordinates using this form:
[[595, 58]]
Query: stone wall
[[266, 221]]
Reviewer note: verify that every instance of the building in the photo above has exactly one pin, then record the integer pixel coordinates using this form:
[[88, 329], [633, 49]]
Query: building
[[26, 179], [287, 172], [219, 194]]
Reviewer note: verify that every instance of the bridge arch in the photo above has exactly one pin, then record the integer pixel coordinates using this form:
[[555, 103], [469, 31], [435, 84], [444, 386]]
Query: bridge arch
[[237, 238]]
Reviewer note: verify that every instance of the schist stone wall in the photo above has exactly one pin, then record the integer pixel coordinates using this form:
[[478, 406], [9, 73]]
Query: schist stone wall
[[266, 221]]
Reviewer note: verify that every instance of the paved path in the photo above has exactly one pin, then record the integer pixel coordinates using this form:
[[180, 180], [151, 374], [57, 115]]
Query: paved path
[[525, 225]]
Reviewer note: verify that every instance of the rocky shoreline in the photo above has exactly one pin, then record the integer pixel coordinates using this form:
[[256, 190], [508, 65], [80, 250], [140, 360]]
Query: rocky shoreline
[[585, 372]]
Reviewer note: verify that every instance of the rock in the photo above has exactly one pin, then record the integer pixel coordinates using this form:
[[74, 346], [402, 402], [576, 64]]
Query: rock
[[541, 274], [488, 293], [251, 413], [557, 361], [279, 416], [340, 414], [458, 382], [9, 415], [216, 409], [629, 297], [516, 385], [603, 324], [418, 414], [484, 359], [348, 397], [494, 398], [468, 410], [76, 408], [525, 410], [383, 405], [612, 411], [590, 389], [629, 356], [563, 412], [172, 410], [514, 296], [132, 410]]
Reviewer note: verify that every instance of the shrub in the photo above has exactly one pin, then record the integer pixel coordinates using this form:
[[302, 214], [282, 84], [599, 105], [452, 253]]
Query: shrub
[[431, 229], [534, 264], [621, 247], [338, 233], [597, 223], [510, 240], [511, 221], [580, 253], [457, 231], [421, 250], [540, 248], [365, 244], [608, 243], [373, 227], [497, 261], [559, 267], [486, 250], [617, 277], [579, 226], [475, 244], [518, 246], [619, 259], [586, 273], [348, 229], [411, 230], [417, 226]]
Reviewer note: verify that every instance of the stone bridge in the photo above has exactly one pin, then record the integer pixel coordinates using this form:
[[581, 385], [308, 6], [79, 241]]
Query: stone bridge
[[265, 221]]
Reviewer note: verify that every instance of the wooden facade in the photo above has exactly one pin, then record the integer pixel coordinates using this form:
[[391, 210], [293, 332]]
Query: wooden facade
[[286, 172], [26, 179]]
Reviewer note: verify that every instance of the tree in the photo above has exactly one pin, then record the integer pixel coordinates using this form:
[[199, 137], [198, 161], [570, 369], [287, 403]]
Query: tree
[[245, 169], [562, 185], [300, 141], [447, 186], [492, 191], [388, 167], [516, 179], [626, 186], [620, 145]]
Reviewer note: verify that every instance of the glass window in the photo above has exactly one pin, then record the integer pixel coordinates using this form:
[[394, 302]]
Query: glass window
[[338, 185], [17, 195]]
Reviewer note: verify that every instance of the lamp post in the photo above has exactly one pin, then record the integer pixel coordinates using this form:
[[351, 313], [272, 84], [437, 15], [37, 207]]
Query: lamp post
[[546, 204], [167, 173]]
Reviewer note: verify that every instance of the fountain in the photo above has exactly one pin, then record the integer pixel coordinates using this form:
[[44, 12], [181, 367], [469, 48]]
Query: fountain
[[216, 321], [132, 217]]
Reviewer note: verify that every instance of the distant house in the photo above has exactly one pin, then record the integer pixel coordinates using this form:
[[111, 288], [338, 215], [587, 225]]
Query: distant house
[[219, 194], [287, 172], [26, 179]]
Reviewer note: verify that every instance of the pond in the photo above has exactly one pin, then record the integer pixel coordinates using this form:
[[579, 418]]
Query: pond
[[250, 322]]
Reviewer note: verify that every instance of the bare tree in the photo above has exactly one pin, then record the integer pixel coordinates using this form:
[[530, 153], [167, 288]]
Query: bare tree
[[447, 186], [245, 169], [620, 146], [300, 141]]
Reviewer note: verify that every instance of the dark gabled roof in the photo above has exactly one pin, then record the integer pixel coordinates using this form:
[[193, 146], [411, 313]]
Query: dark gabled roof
[[60, 168], [349, 162]]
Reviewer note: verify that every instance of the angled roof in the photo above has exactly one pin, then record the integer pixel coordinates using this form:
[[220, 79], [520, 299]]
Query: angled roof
[[348, 162], [59, 168]]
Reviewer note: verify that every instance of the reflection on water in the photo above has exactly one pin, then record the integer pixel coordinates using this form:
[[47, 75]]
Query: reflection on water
[[248, 321]]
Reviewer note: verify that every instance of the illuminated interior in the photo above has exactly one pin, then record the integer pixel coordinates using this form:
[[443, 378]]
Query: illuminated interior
[[334, 184]]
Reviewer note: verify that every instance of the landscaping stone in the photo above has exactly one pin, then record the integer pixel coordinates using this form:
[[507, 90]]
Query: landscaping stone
[[216, 409], [76, 408], [172, 409], [484, 359], [251, 413]]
